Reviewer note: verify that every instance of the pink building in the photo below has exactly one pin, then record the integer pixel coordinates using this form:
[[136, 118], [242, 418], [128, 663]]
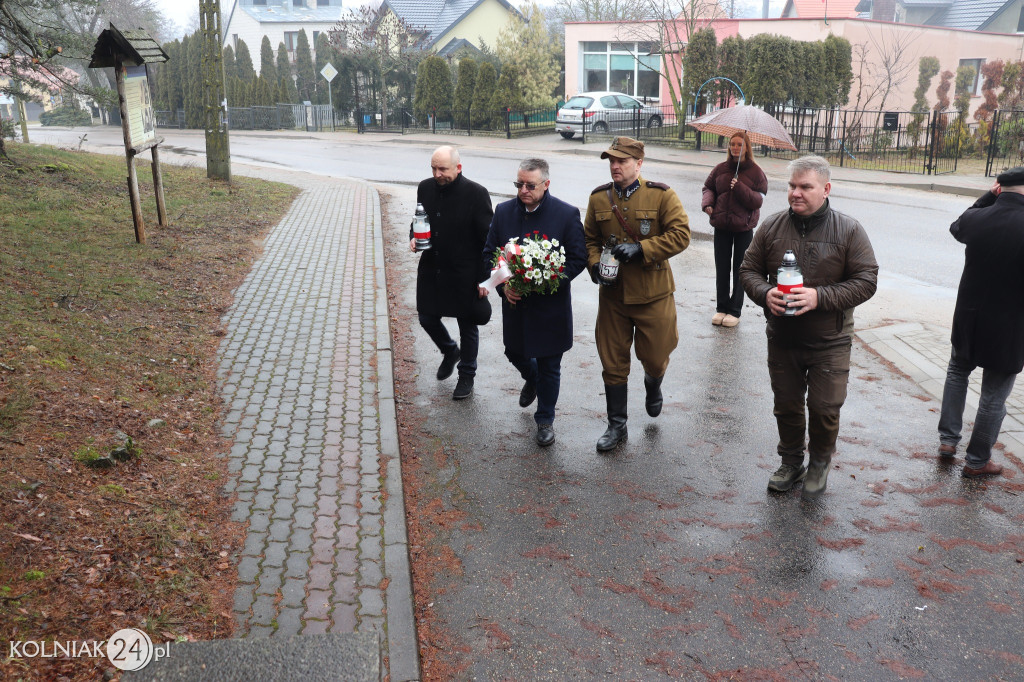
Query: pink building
[[624, 56]]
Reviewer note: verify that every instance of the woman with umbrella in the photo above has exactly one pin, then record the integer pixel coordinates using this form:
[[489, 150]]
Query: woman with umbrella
[[733, 194]]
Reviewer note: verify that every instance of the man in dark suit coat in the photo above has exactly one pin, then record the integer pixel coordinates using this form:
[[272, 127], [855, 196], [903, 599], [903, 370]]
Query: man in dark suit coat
[[988, 322], [537, 329], [460, 212]]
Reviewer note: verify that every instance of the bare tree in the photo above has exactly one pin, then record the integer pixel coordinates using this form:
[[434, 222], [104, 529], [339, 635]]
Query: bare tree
[[384, 46], [672, 24], [883, 65], [601, 10]]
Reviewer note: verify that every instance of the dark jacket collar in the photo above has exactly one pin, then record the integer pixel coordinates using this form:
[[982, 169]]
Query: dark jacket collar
[[808, 223], [451, 186], [540, 206], [744, 165]]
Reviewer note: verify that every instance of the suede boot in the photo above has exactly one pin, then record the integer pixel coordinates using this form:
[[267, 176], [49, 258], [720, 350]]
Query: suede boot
[[615, 396], [654, 400]]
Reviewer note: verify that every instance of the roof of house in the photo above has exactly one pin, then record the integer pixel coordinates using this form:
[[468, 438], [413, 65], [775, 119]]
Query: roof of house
[[456, 44], [969, 14], [820, 9], [435, 17]]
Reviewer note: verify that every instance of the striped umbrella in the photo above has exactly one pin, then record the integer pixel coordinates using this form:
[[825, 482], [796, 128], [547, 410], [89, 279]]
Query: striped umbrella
[[760, 127]]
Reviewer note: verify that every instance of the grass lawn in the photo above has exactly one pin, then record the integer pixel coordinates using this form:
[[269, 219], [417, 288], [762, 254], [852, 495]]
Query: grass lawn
[[105, 343]]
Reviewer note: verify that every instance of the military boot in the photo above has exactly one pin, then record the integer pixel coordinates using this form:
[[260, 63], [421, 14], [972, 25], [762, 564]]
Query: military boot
[[615, 396], [654, 400]]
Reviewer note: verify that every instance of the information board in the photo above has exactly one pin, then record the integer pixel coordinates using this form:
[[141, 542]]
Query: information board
[[139, 105]]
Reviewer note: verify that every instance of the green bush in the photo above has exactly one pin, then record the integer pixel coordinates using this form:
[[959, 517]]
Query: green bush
[[7, 128], [65, 116]]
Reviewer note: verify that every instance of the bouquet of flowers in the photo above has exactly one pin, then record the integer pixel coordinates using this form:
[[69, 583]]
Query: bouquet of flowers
[[536, 264]]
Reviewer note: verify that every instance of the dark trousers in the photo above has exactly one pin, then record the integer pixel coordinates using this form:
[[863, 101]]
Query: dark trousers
[[469, 340], [995, 388], [821, 376], [729, 250], [546, 375]]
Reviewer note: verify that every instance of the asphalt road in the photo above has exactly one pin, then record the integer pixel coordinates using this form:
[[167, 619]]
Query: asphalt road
[[667, 558]]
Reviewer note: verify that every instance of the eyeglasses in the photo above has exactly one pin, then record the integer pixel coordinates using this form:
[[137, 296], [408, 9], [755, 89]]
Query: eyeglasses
[[528, 185]]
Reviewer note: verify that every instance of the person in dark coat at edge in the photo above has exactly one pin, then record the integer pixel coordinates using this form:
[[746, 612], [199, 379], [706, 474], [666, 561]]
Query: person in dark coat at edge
[[732, 197], [446, 284], [537, 329], [988, 321]]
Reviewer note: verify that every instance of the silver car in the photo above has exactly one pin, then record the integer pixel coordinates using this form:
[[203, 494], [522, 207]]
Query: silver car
[[604, 112]]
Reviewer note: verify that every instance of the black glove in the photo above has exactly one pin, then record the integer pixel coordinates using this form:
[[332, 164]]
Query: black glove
[[593, 273], [627, 252]]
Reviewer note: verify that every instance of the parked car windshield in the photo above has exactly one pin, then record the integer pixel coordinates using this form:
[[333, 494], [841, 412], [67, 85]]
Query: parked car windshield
[[578, 102]]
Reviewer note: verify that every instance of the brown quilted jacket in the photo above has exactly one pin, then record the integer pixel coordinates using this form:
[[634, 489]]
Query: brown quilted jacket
[[739, 208], [836, 258]]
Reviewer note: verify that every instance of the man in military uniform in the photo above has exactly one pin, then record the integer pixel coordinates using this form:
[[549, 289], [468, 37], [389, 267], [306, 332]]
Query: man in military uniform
[[650, 226]]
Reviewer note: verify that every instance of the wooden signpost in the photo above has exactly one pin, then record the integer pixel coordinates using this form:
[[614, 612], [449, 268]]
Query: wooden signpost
[[129, 52]]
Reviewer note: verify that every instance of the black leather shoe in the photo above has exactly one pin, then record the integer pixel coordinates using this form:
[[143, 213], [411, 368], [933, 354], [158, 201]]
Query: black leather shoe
[[463, 389], [448, 363], [528, 394], [545, 435]]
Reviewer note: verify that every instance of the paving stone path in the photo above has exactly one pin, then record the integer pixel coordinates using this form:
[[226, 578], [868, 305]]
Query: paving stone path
[[311, 415]]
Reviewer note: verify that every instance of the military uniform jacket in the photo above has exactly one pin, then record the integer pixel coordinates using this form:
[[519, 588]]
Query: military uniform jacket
[[655, 214]]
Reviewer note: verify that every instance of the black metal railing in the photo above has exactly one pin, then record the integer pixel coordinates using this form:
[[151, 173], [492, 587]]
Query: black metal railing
[[928, 142], [1005, 147]]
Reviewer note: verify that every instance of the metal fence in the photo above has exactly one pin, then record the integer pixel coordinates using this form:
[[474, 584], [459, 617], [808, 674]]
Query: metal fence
[[652, 122], [506, 123], [312, 117], [1006, 141], [927, 142], [170, 119]]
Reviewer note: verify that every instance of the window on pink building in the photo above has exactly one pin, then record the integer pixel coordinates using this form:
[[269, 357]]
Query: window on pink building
[[621, 67]]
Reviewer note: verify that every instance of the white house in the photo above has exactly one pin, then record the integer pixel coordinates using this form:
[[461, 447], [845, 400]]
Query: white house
[[280, 21]]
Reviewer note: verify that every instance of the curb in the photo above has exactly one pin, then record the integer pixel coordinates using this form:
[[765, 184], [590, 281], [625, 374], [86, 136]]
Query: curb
[[403, 656]]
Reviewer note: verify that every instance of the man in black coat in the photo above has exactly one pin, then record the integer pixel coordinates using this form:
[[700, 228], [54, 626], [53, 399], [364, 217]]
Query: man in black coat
[[460, 212], [537, 329], [988, 322]]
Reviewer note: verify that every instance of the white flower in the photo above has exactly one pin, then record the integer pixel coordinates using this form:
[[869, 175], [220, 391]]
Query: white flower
[[546, 244]]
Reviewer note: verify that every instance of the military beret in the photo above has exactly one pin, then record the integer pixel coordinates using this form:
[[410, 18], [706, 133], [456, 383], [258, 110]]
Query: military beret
[[1012, 177]]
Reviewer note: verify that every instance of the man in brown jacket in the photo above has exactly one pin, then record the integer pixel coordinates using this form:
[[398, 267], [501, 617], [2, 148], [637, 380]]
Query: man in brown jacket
[[650, 225], [809, 351]]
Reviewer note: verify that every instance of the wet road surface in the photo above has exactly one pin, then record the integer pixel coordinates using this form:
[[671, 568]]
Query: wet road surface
[[668, 559]]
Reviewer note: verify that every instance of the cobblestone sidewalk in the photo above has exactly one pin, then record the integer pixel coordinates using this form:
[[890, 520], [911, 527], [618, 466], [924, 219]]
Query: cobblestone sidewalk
[[306, 373]]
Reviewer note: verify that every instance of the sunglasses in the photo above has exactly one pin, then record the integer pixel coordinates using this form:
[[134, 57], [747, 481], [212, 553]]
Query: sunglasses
[[528, 185]]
